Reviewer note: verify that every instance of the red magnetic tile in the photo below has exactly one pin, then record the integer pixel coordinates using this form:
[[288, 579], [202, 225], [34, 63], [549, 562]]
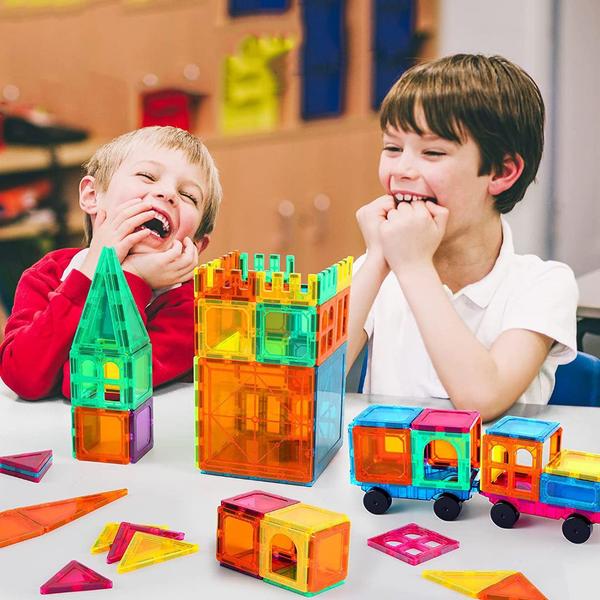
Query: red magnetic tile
[[30, 461], [75, 577], [451, 421], [258, 502], [125, 534], [413, 544]]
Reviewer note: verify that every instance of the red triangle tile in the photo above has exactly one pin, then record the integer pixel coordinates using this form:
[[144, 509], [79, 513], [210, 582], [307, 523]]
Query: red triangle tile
[[30, 461], [75, 577], [514, 587]]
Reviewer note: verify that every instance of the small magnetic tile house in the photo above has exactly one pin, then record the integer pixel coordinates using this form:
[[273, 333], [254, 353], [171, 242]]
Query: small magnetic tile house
[[269, 367], [289, 544], [111, 372]]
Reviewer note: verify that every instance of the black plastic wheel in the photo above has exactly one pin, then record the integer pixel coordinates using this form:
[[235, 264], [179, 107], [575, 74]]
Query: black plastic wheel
[[577, 529], [447, 507], [377, 501], [504, 514]]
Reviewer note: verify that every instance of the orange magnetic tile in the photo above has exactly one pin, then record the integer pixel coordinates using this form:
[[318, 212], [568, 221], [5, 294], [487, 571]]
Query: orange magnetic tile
[[15, 527], [54, 514], [238, 540], [255, 420], [382, 455], [101, 435], [502, 475], [25, 522], [514, 587], [328, 557], [332, 329]]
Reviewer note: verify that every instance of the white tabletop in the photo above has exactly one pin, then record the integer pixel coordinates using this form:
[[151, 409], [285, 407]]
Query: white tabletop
[[589, 295], [165, 487]]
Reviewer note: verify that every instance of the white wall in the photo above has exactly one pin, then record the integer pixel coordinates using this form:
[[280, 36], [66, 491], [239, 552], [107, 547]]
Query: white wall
[[578, 136], [520, 31]]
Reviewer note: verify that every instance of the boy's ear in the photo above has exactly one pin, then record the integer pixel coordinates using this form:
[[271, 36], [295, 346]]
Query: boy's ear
[[512, 167], [202, 243], [88, 200]]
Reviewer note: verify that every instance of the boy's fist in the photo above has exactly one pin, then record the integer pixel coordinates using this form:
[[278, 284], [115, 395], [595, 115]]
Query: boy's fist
[[370, 218]]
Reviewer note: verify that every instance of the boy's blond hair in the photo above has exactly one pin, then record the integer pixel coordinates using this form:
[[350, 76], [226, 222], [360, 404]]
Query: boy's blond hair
[[107, 159], [488, 97]]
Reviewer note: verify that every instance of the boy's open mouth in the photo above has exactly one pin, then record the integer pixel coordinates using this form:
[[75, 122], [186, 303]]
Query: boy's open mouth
[[412, 197], [158, 225]]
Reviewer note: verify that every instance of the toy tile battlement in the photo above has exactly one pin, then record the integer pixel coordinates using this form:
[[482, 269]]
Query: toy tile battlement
[[231, 278]]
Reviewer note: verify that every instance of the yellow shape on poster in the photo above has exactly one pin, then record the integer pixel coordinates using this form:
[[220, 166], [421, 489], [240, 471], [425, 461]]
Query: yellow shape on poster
[[470, 583], [251, 86], [146, 549]]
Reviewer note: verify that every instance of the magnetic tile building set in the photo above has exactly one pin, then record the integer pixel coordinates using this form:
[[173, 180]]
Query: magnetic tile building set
[[111, 372], [288, 544], [269, 369]]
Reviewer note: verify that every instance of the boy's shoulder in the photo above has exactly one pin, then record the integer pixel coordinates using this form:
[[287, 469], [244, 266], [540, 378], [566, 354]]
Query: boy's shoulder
[[530, 269], [54, 261]]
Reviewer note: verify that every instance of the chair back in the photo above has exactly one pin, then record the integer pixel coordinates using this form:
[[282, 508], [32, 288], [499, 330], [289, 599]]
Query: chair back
[[578, 382]]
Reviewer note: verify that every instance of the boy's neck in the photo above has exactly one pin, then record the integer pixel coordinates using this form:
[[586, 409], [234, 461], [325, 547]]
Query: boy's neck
[[470, 257]]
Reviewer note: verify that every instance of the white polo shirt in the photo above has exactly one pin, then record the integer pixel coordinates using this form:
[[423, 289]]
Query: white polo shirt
[[520, 292]]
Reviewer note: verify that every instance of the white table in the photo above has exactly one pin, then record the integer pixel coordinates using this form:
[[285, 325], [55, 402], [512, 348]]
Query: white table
[[165, 487]]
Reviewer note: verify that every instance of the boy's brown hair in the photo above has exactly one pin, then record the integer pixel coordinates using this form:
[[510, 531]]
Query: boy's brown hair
[[493, 100], [107, 159]]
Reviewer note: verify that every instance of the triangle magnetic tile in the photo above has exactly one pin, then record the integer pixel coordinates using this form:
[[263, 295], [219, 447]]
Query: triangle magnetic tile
[[514, 587], [54, 514], [105, 538], [33, 462], [28, 475], [125, 534], [146, 549], [75, 577], [470, 583], [19, 524]]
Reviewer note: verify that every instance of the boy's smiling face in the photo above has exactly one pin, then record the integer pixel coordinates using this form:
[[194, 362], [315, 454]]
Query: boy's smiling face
[[428, 167], [172, 185]]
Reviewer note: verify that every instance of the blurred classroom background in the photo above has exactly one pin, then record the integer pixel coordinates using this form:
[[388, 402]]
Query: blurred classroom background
[[285, 95]]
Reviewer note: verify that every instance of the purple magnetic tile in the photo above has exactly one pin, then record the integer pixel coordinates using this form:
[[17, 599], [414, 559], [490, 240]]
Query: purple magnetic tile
[[258, 502], [413, 544], [141, 428], [75, 577]]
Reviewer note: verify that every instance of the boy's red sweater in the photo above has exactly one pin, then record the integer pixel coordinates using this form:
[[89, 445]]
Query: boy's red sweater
[[34, 357]]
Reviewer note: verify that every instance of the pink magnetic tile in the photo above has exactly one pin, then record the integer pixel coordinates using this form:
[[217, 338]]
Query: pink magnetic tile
[[30, 461], [413, 544], [451, 421], [125, 534], [75, 577], [29, 477], [257, 502]]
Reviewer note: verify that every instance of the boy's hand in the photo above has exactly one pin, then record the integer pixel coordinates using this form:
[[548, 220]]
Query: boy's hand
[[412, 233], [163, 269], [117, 227], [370, 218]]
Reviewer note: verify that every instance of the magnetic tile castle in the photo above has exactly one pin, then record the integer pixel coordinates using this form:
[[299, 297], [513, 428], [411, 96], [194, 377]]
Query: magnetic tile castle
[[269, 367], [111, 372], [288, 544]]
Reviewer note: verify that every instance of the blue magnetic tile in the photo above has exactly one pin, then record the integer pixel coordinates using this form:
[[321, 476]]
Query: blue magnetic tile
[[383, 415], [570, 492], [329, 409], [520, 427]]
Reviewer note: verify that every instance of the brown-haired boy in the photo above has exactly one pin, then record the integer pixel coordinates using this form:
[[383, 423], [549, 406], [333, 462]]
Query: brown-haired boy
[[153, 194], [447, 306]]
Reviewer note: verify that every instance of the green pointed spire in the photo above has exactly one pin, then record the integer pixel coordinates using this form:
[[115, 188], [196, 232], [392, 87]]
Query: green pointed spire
[[111, 362]]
